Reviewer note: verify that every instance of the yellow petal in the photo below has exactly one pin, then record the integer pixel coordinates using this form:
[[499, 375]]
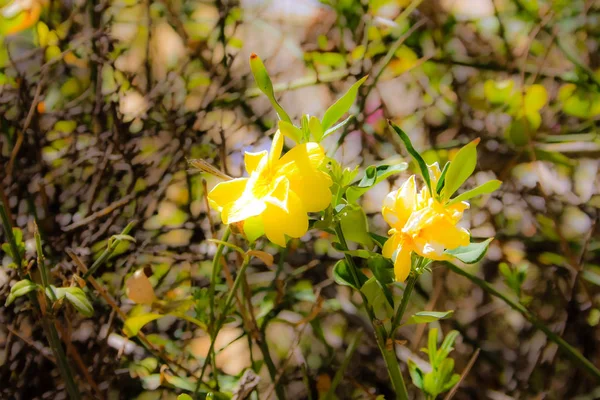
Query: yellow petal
[[312, 189], [252, 160], [448, 235], [402, 264], [311, 185], [243, 208], [391, 245], [280, 193], [276, 147], [278, 222], [226, 192], [303, 155], [396, 211]]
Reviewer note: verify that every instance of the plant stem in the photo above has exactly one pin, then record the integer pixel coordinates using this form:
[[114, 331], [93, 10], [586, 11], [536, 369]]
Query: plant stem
[[110, 249], [388, 352], [404, 302], [221, 320], [216, 264], [342, 369], [279, 390], [565, 347], [49, 328]]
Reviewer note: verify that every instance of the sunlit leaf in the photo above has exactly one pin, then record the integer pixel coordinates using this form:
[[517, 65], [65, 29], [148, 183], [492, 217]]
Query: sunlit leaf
[[414, 153], [291, 131], [266, 86], [471, 253], [134, 324], [423, 317], [342, 105], [355, 226], [373, 175], [461, 168], [488, 187], [19, 289]]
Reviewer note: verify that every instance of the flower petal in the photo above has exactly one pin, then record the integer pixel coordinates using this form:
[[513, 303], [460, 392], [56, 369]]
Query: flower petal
[[276, 147], [279, 222], [391, 245], [243, 208], [280, 193], [226, 192], [300, 165], [252, 160], [303, 155], [397, 210], [402, 263]]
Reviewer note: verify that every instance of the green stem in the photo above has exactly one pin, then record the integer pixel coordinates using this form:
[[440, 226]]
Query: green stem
[[262, 344], [565, 347], [49, 328], [221, 320], [404, 302], [389, 353], [216, 268], [342, 369], [110, 249]]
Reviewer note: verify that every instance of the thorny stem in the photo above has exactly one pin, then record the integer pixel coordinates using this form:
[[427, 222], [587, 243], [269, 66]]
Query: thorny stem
[[565, 347], [388, 352]]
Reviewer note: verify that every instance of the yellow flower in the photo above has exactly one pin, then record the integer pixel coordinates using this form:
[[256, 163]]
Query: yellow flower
[[421, 223], [279, 192]]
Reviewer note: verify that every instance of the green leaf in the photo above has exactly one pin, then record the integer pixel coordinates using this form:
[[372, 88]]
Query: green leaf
[[355, 227], [76, 296], [121, 237], [336, 127], [266, 86], [519, 132], [432, 345], [184, 397], [253, 228], [535, 98], [379, 298], [554, 157], [488, 187], [423, 317], [180, 382], [414, 153], [291, 131], [342, 105], [450, 383], [460, 168], [360, 253], [447, 344], [383, 270], [315, 127], [471, 253], [415, 374], [380, 240], [19, 289], [442, 180], [498, 92], [134, 324], [343, 276], [373, 175]]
